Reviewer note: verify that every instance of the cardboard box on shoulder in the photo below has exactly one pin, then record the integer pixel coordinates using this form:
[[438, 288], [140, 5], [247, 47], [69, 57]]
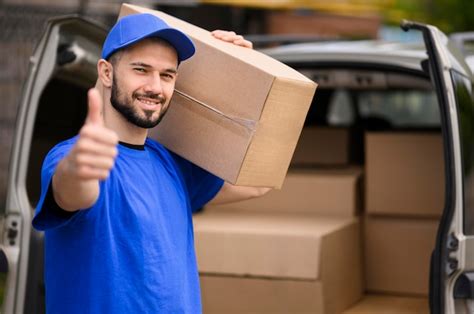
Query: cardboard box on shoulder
[[278, 262], [397, 254], [334, 192], [404, 174], [235, 112]]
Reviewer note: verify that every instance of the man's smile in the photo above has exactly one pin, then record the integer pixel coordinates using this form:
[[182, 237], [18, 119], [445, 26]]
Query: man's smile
[[149, 103]]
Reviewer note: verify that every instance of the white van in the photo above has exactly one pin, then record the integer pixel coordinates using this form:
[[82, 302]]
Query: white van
[[366, 90]]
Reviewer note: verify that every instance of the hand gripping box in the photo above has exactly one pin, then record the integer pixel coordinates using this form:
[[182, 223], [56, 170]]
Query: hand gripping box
[[235, 112]]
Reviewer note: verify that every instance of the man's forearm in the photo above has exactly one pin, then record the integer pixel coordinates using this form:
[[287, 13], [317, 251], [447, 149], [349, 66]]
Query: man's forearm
[[72, 193], [230, 193]]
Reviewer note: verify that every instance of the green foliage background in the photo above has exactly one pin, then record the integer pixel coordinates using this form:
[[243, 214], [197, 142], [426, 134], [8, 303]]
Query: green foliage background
[[449, 15]]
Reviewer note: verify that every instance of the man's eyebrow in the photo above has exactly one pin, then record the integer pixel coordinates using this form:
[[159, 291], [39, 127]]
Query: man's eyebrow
[[145, 65], [171, 70], [140, 64]]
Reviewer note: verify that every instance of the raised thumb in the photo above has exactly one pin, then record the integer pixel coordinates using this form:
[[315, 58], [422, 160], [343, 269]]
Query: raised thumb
[[94, 107]]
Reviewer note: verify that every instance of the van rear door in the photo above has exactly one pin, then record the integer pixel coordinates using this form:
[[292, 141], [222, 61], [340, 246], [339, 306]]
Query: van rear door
[[452, 265], [69, 45]]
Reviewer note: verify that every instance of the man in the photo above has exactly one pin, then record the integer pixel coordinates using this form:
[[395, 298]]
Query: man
[[116, 206]]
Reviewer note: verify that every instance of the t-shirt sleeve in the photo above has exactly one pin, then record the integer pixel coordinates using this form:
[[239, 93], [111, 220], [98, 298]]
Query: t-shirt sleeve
[[48, 214], [202, 185]]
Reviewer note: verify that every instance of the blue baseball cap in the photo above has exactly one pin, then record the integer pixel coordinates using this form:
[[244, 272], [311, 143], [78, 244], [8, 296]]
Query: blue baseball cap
[[133, 28]]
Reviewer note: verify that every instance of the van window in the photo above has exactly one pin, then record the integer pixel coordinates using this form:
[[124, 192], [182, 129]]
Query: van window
[[394, 99], [401, 108]]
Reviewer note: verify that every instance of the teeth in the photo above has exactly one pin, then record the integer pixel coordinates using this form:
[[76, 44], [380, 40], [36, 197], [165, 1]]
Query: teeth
[[149, 102]]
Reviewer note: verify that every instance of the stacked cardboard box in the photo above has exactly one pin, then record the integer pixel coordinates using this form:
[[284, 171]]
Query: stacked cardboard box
[[397, 254], [254, 262], [405, 174], [404, 200], [323, 146]]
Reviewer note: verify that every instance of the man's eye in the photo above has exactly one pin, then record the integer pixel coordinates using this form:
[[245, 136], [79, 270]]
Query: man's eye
[[166, 75], [141, 70]]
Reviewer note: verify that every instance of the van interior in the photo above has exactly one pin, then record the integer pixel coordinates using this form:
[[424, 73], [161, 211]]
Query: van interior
[[352, 229]]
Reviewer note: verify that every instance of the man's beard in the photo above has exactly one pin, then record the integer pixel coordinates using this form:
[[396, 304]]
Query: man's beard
[[129, 112]]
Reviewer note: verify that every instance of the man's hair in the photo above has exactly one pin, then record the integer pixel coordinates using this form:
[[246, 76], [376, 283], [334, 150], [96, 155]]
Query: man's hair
[[115, 57]]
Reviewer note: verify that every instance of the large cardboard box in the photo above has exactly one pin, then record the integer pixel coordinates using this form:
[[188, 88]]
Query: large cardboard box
[[388, 304], [404, 174], [397, 254], [334, 192], [235, 112], [277, 263], [323, 146]]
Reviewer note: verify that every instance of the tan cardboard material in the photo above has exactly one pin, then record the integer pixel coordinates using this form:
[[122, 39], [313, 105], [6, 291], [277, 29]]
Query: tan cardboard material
[[332, 192], [397, 254], [322, 146], [404, 174], [387, 304], [236, 112], [272, 254], [237, 295]]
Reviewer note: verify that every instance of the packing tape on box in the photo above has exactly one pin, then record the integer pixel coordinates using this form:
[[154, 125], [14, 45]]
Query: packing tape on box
[[248, 124]]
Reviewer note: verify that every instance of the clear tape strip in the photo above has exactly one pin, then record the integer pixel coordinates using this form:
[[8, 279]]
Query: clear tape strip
[[250, 125]]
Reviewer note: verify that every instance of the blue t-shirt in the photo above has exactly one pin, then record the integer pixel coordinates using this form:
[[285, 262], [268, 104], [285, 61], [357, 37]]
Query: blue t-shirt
[[133, 250]]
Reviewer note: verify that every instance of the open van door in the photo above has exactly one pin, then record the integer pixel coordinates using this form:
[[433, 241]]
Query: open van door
[[52, 108], [452, 264]]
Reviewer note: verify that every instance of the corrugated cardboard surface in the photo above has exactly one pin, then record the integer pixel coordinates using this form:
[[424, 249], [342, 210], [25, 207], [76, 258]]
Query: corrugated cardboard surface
[[323, 146], [332, 192], [244, 110], [377, 304], [270, 254], [397, 254], [404, 174], [239, 295]]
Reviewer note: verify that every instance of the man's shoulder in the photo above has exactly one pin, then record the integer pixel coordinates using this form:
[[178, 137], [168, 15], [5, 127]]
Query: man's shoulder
[[161, 152]]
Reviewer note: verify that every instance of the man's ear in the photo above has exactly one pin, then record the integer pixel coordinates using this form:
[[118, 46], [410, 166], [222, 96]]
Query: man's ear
[[105, 72]]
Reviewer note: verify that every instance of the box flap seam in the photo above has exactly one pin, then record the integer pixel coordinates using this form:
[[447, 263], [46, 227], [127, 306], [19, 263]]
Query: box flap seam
[[250, 125]]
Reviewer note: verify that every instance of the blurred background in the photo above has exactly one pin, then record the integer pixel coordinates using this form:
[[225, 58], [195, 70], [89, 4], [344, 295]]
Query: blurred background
[[266, 22]]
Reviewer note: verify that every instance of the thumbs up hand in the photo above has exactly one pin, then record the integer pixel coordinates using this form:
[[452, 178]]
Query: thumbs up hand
[[94, 153]]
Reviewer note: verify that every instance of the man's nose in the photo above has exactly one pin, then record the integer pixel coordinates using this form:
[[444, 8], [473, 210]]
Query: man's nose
[[154, 84]]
